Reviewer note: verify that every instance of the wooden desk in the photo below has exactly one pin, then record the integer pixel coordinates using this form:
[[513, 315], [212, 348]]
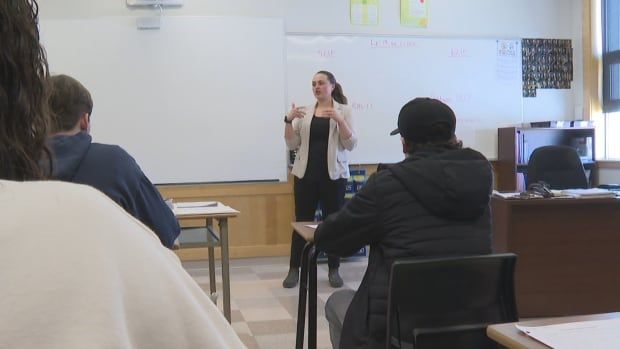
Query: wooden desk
[[307, 286], [510, 337], [305, 232], [221, 215], [568, 253]]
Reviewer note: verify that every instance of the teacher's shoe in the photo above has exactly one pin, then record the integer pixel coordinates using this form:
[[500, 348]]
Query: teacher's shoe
[[291, 279], [335, 280]]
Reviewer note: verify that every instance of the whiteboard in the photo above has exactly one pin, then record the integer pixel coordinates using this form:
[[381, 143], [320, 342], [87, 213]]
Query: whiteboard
[[199, 100], [479, 78]]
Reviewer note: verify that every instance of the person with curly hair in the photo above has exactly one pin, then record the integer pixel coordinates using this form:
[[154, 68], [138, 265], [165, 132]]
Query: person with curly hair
[[77, 270]]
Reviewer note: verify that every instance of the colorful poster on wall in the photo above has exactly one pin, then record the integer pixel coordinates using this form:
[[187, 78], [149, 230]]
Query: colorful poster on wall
[[365, 12], [414, 13]]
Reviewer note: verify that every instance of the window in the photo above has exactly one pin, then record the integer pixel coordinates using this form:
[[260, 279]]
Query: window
[[610, 11], [612, 135], [608, 125]]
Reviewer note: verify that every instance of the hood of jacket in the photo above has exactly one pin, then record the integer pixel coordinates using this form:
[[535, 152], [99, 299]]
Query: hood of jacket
[[453, 184], [68, 152]]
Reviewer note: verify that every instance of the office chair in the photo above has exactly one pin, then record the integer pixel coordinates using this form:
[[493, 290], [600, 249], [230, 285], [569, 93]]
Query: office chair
[[558, 165], [382, 166], [448, 302]]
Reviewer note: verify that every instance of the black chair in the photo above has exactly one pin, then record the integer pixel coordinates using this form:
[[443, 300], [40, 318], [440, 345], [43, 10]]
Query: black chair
[[382, 166], [558, 165], [448, 302]]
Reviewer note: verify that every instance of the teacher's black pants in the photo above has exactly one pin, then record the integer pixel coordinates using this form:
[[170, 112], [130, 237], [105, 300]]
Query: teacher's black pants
[[308, 194]]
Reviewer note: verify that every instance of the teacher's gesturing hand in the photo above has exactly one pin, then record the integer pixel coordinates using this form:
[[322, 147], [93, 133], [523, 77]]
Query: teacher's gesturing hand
[[295, 112], [332, 114]]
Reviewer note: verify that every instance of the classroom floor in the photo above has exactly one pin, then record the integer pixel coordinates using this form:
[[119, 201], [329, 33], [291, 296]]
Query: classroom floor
[[263, 313]]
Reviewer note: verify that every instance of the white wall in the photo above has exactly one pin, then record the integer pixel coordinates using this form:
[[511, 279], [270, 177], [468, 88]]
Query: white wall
[[608, 175], [451, 18], [460, 18]]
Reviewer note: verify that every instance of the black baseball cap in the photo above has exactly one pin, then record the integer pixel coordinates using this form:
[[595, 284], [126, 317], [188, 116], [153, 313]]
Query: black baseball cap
[[424, 120]]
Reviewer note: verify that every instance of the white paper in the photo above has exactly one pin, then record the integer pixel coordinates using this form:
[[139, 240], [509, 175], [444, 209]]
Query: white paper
[[510, 195], [207, 207], [357, 14], [591, 192], [313, 226], [417, 8], [599, 334], [195, 204]]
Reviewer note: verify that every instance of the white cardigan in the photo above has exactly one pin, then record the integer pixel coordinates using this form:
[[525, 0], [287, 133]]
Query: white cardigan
[[79, 272], [337, 148]]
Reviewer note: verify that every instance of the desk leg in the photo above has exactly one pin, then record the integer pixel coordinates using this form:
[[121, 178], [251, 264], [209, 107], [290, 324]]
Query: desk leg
[[210, 244], [303, 292], [225, 266], [312, 298]]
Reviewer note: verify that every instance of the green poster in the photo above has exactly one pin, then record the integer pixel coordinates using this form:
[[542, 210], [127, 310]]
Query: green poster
[[414, 13], [365, 12]]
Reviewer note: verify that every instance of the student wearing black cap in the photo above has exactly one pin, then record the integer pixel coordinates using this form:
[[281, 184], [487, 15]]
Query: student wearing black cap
[[435, 202]]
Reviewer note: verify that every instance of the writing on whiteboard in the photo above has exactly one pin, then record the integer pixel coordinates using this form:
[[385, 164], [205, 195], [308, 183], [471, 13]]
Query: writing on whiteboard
[[361, 106], [459, 52], [507, 48], [327, 53], [453, 99], [392, 43], [410, 67]]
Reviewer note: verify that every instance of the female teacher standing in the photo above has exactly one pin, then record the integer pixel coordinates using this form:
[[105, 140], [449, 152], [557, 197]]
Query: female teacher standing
[[322, 134]]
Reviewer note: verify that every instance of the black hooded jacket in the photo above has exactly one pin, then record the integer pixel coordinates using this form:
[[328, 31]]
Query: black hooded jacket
[[434, 203], [112, 170]]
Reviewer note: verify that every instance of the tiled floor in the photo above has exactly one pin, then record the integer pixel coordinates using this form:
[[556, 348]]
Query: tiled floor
[[263, 313]]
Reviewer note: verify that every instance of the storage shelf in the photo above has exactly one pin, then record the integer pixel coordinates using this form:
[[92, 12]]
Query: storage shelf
[[516, 144]]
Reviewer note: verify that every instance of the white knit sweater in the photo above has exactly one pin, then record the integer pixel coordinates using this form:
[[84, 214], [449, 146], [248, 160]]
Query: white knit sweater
[[77, 271]]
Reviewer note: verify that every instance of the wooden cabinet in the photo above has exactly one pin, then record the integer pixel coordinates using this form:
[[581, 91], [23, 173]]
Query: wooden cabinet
[[567, 254], [515, 145]]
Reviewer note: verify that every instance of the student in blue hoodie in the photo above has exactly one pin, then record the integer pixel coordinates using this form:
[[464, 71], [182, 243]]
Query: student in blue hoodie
[[106, 167]]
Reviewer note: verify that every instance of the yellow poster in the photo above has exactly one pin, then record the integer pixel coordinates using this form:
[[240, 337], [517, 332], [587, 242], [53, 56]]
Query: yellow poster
[[414, 13], [365, 12]]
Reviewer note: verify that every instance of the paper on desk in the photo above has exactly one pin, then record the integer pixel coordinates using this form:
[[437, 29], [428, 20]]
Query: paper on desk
[[511, 195], [195, 204], [590, 192], [313, 226], [561, 194], [196, 209], [599, 334]]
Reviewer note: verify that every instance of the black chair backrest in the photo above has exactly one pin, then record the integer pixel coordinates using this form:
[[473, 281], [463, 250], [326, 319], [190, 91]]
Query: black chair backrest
[[558, 165], [382, 166], [447, 302]]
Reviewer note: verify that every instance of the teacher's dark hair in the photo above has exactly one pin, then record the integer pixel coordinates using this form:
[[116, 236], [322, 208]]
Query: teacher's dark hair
[[337, 93], [24, 117]]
